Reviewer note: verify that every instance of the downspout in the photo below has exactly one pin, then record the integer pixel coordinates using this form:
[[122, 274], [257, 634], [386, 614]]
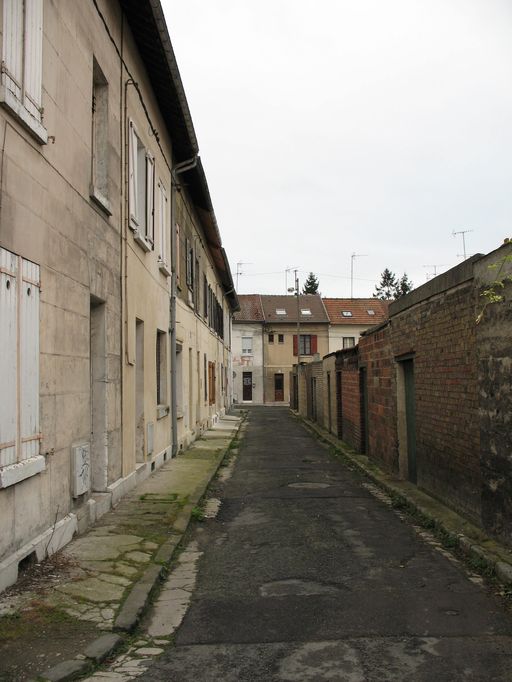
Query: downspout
[[176, 170]]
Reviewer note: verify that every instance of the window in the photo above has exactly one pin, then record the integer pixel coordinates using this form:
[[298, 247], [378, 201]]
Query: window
[[246, 345], [205, 297], [280, 338], [308, 344], [22, 62], [161, 368], [19, 369], [271, 338], [205, 378], [141, 191], [178, 254], [211, 382], [280, 311], [99, 180], [305, 312], [197, 287], [371, 312], [349, 341], [189, 255], [305, 344], [163, 230], [346, 313]]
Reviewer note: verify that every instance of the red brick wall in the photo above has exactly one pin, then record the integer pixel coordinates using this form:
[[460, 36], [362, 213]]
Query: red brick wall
[[376, 356], [350, 399], [441, 332]]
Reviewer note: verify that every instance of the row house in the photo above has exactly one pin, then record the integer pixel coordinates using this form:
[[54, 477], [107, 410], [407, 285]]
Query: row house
[[428, 394], [269, 334], [116, 295], [265, 337]]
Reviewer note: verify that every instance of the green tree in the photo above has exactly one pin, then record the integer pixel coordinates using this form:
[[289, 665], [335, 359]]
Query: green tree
[[403, 286], [311, 284], [387, 288]]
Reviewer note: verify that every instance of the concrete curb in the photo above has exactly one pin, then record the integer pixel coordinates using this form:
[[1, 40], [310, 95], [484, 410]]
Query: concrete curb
[[501, 569], [138, 599]]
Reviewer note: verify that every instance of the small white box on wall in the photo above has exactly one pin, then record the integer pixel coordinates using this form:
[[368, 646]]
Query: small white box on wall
[[81, 468]]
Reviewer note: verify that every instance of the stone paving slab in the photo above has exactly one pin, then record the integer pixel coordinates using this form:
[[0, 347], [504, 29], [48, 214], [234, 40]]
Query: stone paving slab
[[112, 569]]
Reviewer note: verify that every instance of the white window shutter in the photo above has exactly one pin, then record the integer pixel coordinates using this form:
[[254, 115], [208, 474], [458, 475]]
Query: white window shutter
[[162, 223], [29, 360], [33, 56], [9, 275], [12, 51], [150, 198], [132, 184]]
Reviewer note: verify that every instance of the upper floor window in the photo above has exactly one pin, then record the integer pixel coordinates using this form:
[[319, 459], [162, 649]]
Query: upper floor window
[[280, 338], [163, 230], [346, 313], [99, 183], [22, 62], [141, 191], [349, 341], [280, 311], [246, 345]]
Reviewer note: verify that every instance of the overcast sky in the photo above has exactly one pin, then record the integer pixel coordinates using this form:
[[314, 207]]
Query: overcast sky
[[367, 126]]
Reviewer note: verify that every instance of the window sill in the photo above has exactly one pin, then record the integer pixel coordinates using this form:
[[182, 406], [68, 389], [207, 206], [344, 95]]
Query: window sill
[[34, 127], [142, 241], [14, 473], [162, 411], [100, 200], [164, 268]]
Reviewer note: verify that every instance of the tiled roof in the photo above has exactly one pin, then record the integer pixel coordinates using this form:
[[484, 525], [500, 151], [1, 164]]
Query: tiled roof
[[312, 303], [250, 308], [359, 308]]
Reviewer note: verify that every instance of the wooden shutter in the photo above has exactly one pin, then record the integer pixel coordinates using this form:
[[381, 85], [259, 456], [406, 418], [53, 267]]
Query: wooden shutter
[[162, 223], [29, 360], [295, 345], [12, 52], [314, 344], [132, 183], [8, 356], [150, 198], [33, 56]]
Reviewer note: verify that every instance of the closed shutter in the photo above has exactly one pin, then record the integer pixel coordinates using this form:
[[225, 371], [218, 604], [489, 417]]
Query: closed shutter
[[295, 345], [29, 361], [314, 344], [162, 223], [12, 52], [150, 198], [132, 180], [33, 56], [8, 356]]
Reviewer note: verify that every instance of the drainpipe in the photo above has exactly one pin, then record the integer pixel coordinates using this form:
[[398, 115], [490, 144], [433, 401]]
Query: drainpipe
[[177, 169]]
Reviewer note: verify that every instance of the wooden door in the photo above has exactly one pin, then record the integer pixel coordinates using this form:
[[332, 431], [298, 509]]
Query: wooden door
[[278, 387], [247, 386]]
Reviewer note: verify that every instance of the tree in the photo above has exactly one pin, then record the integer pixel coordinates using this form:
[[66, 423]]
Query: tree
[[387, 288], [404, 286], [311, 284]]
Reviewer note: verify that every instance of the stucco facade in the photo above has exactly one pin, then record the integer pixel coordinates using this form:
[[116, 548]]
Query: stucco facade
[[94, 218], [248, 363]]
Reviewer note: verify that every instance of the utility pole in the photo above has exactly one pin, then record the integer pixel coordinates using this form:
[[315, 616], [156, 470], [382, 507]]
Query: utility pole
[[463, 233], [287, 270], [354, 255], [297, 293]]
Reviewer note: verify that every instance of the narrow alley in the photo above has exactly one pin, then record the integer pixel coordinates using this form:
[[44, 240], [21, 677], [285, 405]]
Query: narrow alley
[[305, 574]]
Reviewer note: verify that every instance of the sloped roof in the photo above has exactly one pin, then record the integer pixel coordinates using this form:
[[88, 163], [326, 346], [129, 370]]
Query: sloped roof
[[359, 308], [312, 302], [251, 309]]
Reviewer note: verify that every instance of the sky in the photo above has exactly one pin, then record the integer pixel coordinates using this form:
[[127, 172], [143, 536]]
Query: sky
[[350, 126]]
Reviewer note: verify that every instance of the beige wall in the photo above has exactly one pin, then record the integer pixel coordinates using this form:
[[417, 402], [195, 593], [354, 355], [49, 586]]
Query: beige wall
[[338, 331], [279, 357]]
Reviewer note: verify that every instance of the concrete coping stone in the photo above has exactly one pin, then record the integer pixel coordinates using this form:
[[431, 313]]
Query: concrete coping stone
[[67, 670], [102, 647]]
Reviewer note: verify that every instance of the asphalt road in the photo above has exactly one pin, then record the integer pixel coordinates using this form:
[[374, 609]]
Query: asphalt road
[[307, 576]]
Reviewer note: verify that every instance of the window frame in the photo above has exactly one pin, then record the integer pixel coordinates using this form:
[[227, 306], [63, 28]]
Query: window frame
[[248, 350], [141, 190], [346, 341]]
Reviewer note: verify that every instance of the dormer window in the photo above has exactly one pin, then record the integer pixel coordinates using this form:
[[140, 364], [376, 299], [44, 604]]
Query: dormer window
[[280, 311], [371, 312], [305, 311], [346, 313]]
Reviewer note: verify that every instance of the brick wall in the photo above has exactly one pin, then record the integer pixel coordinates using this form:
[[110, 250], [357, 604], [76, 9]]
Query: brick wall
[[440, 333], [352, 433], [376, 356]]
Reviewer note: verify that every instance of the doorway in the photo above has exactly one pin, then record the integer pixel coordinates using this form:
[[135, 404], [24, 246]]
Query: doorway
[[247, 386], [278, 388], [98, 374]]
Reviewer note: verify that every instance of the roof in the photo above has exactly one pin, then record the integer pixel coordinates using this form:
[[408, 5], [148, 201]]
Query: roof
[[359, 308], [283, 309], [251, 309], [147, 23]]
